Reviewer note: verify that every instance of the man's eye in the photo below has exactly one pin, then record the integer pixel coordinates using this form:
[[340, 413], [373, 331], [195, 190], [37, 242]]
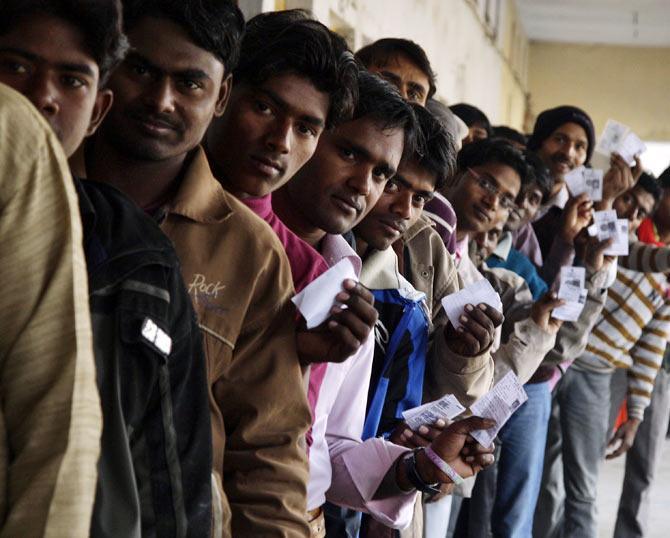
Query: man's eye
[[14, 67], [191, 84], [419, 200], [306, 130], [73, 82], [391, 187], [347, 154], [139, 69], [262, 107], [380, 174]]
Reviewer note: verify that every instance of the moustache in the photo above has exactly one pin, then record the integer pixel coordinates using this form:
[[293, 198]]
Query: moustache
[[164, 120]]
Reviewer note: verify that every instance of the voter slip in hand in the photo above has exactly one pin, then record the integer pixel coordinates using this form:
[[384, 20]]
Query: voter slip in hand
[[572, 291], [315, 301], [477, 292], [499, 404], [445, 408], [582, 180], [604, 225], [618, 138], [620, 245]]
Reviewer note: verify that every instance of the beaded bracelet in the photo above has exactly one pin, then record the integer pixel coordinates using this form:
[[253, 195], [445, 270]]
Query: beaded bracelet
[[443, 465]]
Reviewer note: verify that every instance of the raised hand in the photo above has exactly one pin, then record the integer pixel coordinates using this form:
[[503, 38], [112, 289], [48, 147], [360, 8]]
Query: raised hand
[[343, 333], [477, 330], [541, 312]]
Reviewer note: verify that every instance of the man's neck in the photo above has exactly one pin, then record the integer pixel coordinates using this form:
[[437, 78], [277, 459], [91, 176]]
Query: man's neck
[[221, 175], [147, 183], [294, 219], [361, 247], [556, 188]]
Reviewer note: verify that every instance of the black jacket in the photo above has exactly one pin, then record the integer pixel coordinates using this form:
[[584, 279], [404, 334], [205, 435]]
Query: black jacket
[[156, 459]]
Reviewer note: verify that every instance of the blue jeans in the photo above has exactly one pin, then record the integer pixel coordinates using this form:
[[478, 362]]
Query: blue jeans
[[520, 465]]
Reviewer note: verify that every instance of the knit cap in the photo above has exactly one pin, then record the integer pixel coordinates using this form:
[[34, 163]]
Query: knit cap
[[550, 120]]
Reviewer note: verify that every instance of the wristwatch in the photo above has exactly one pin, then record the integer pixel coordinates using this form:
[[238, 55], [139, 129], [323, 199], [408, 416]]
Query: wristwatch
[[409, 461]]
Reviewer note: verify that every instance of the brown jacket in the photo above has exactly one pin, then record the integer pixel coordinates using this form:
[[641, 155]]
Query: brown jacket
[[239, 278], [432, 271]]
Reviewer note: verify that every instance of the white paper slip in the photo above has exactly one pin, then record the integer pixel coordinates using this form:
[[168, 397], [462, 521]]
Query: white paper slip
[[445, 408], [582, 180], [499, 404], [621, 241], [575, 299], [631, 147], [605, 224], [315, 301], [477, 292], [571, 290], [611, 137]]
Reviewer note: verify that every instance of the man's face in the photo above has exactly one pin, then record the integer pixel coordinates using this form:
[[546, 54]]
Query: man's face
[[45, 58], [528, 203], [635, 205], [399, 207], [486, 243], [475, 132], [347, 174], [484, 195], [165, 93], [412, 83], [267, 133], [564, 150]]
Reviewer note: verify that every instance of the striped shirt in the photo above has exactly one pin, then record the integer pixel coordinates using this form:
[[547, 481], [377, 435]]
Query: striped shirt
[[631, 333]]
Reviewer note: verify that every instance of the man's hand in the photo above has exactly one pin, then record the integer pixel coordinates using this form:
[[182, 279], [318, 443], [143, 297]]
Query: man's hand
[[541, 312], [592, 251], [404, 436], [576, 216], [455, 446], [618, 179], [340, 336], [477, 330], [625, 435]]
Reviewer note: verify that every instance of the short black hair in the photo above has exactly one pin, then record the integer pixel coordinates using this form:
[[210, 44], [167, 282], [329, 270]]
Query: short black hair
[[381, 101], [650, 184], [502, 131], [378, 54], [214, 25], [492, 150], [98, 20], [436, 149], [292, 42], [540, 174], [471, 115]]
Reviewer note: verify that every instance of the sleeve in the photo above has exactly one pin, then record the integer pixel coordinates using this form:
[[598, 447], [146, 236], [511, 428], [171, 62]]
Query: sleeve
[[646, 258], [647, 355], [560, 254], [358, 468], [573, 335], [189, 408], [266, 415], [447, 372], [51, 418]]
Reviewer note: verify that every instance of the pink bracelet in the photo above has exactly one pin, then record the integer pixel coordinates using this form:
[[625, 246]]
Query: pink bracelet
[[443, 465]]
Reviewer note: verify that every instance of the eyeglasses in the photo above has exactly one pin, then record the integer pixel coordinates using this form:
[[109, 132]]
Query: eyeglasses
[[506, 201]]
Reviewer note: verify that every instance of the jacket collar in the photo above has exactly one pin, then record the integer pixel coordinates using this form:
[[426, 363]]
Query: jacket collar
[[200, 197], [420, 225]]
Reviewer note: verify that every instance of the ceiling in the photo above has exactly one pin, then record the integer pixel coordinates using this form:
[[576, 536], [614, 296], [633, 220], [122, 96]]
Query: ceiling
[[613, 22]]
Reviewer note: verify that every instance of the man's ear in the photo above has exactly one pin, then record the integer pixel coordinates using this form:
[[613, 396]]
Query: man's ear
[[224, 96], [103, 102]]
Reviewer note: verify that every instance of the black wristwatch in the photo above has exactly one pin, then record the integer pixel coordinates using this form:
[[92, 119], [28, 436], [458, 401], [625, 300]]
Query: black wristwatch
[[409, 461]]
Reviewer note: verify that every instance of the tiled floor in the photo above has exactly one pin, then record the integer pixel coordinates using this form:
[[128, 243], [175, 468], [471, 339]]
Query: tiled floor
[[609, 489]]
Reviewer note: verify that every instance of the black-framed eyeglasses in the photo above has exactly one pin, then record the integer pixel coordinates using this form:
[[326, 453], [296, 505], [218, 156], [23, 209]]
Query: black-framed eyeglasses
[[506, 201]]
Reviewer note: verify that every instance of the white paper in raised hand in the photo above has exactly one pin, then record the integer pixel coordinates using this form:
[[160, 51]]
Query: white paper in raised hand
[[587, 180], [315, 301], [605, 223], [621, 241], [572, 291], [612, 137], [477, 292], [499, 404], [445, 408], [631, 147]]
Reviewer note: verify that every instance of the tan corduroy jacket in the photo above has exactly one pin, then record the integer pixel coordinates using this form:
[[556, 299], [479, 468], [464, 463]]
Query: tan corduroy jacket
[[50, 419], [432, 271], [239, 279]]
